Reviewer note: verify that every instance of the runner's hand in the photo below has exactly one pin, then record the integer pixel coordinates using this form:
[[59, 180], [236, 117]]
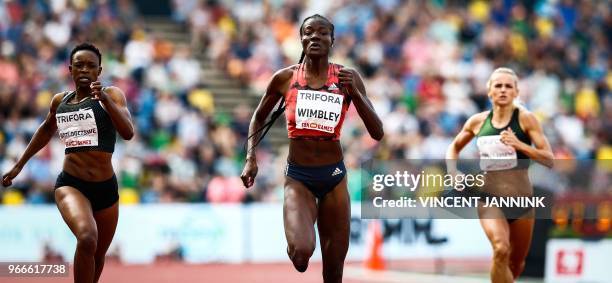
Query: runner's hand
[[249, 172], [7, 179], [509, 138], [346, 78], [97, 90]]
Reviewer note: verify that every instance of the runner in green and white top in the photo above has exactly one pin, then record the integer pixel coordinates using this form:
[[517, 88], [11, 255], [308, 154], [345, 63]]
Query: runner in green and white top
[[505, 134], [501, 155]]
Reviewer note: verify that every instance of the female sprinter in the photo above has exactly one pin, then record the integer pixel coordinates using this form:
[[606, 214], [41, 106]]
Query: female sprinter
[[86, 190], [505, 132], [317, 95]]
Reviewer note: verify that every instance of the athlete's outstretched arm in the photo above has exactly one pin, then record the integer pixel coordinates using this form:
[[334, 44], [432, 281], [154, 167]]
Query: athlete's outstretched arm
[[274, 92], [41, 137], [541, 152], [351, 81], [114, 102]]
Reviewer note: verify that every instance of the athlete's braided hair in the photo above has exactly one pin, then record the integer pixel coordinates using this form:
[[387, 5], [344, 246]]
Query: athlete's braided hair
[[281, 106]]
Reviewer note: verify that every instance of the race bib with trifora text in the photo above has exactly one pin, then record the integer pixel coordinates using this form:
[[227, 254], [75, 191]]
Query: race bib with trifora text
[[317, 110], [77, 128], [494, 154]]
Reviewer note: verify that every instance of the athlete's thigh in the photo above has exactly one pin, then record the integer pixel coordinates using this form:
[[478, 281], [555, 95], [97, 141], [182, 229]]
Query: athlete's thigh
[[299, 213], [521, 231], [75, 209], [106, 221], [334, 218]]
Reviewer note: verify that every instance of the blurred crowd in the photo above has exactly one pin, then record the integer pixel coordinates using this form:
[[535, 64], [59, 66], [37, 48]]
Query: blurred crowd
[[425, 65]]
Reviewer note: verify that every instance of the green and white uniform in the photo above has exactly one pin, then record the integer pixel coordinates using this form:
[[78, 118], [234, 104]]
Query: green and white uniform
[[495, 155]]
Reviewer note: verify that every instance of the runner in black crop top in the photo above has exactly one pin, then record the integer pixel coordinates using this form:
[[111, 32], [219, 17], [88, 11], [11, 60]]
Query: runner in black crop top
[[85, 126], [86, 192]]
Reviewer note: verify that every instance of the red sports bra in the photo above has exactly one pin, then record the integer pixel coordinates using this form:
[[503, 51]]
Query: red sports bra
[[315, 114]]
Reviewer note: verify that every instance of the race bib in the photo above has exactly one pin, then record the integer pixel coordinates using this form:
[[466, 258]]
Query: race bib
[[77, 128], [495, 155], [317, 110]]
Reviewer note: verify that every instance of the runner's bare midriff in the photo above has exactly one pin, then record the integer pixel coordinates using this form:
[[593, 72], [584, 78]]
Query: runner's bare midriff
[[314, 152], [92, 166], [514, 183]]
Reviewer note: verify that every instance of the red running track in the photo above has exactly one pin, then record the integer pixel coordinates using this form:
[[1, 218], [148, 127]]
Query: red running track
[[162, 272], [180, 272]]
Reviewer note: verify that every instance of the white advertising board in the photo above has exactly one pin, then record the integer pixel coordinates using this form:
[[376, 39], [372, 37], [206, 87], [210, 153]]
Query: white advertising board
[[576, 261], [226, 233]]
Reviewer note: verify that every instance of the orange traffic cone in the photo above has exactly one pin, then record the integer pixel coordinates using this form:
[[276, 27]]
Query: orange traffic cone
[[374, 242]]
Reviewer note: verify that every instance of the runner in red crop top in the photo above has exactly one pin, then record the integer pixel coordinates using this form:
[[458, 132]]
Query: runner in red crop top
[[317, 94], [315, 114]]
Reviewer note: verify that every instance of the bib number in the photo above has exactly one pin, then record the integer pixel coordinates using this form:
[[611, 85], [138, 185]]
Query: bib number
[[317, 110], [495, 155], [77, 128]]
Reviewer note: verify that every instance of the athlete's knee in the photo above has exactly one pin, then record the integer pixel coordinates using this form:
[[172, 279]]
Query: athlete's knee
[[300, 255], [501, 251], [87, 240]]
